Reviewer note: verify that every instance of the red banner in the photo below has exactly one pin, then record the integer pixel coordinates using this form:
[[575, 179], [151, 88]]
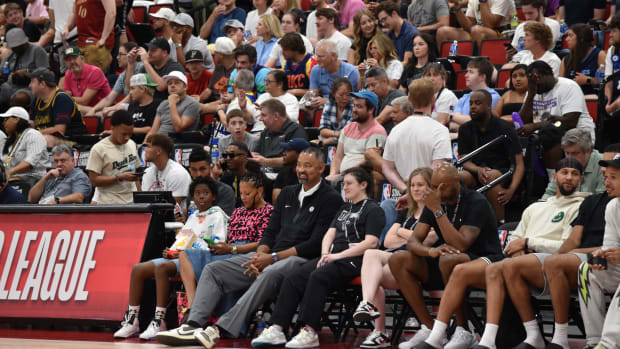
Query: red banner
[[74, 265]]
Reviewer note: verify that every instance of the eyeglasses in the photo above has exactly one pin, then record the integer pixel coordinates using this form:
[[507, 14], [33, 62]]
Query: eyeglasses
[[121, 54], [382, 20], [267, 81], [231, 155]]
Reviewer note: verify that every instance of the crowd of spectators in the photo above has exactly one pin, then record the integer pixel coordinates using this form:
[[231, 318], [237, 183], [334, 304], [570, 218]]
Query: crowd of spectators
[[330, 141]]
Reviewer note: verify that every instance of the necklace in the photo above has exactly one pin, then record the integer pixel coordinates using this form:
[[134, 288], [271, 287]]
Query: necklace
[[355, 216], [458, 201]]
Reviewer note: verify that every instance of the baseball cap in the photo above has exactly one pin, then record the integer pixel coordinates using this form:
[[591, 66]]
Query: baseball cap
[[164, 13], [17, 112], [159, 42], [141, 80], [569, 163], [176, 75], [368, 95], [234, 23], [43, 74], [224, 45], [184, 19], [16, 37], [296, 144], [193, 56], [71, 51], [615, 162]]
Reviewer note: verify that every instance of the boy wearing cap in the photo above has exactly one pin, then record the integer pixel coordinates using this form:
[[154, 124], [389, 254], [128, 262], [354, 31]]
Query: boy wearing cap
[[183, 24], [597, 279], [86, 83], [143, 107], [180, 112], [235, 31], [198, 78], [214, 26]]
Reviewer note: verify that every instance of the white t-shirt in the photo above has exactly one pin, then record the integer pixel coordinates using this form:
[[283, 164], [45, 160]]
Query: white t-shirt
[[565, 97], [520, 32], [444, 103], [609, 65], [212, 223], [174, 178], [526, 57], [394, 69], [62, 9], [251, 20], [505, 8], [342, 43], [429, 138], [311, 25], [290, 102], [276, 51]]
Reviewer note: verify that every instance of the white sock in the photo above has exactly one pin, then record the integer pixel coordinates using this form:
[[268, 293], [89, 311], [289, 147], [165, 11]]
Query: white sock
[[438, 333], [560, 335], [160, 312], [489, 335], [133, 308], [534, 338]]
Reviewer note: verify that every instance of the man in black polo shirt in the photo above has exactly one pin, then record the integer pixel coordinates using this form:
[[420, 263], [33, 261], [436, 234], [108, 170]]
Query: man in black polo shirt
[[278, 129], [490, 164], [466, 230]]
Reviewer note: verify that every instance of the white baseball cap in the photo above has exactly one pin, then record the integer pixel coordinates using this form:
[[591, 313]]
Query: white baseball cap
[[18, 112], [176, 75], [184, 19], [164, 13], [224, 45]]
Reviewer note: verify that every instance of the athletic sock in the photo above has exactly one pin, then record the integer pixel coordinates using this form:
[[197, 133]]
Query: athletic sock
[[438, 333], [133, 308], [560, 335], [534, 338], [160, 312], [489, 335]]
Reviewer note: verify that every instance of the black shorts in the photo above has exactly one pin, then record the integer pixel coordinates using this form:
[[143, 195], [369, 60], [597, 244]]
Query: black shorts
[[490, 259], [435, 281]]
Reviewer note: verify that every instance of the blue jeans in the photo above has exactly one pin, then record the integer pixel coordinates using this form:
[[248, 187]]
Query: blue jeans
[[389, 207]]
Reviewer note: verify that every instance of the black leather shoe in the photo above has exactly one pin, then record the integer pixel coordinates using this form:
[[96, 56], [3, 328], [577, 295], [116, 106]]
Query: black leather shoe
[[553, 346]]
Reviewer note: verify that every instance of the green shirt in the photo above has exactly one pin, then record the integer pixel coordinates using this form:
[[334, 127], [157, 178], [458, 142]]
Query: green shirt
[[593, 181]]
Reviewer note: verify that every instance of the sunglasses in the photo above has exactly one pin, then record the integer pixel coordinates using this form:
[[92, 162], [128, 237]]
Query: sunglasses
[[231, 155]]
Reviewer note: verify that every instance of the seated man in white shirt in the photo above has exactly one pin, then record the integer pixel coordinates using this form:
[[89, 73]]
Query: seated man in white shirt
[[537, 44], [534, 11]]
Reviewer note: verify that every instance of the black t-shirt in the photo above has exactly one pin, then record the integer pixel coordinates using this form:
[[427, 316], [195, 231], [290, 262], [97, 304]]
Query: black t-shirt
[[411, 73], [10, 196], [170, 66], [32, 31], [581, 11], [354, 221], [269, 142], [592, 217], [499, 156], [286, 176], [143, 116], [473, 210], [406, 221]]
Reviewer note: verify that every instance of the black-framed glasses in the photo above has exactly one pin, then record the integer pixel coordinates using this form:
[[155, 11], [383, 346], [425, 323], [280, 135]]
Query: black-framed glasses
[[231, 155]]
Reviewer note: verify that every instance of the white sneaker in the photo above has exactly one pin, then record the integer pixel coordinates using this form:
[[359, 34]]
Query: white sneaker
[[179, 336], [154, 328], [208, 337], [419, 337], [130, 325], [376, 339], [411, 324], [306, 338], [461, 339], [272, 336]]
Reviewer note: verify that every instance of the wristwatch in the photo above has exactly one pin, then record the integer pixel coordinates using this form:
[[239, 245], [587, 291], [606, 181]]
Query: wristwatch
[[589, 81], [57, 199], [234, 250], [177, 45], [439, 213], [275, 257]]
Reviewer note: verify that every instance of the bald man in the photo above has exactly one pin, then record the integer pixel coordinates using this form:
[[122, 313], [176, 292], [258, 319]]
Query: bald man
[[466, 230]]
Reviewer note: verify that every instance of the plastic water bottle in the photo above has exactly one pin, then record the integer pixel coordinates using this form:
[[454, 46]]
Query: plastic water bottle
[[514, 21], [454, 48], [215, 151], [600, 75], [563, 26], [192, 208], [521, 45], [6, 71], [260, 321], [516, 120]]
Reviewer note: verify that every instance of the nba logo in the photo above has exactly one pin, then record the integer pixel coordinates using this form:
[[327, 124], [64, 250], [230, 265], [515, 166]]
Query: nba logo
[[331, 151], [142, 161], [76, 157], [455, 152], [387, 192], [178, 155]]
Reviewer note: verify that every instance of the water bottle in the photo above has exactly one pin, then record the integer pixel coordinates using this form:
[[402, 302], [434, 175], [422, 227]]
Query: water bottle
[[215, 151], [192, 208], [306, 100], [600, 75], [454, 48], [516, 120], [563, 26], [514, 22], [6, 71], [521, 45], [260, 321]]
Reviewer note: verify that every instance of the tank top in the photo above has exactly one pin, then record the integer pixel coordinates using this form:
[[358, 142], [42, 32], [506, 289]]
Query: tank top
[[299, 74], [509, 108], [89, 19], [45, 115], [588, 67]]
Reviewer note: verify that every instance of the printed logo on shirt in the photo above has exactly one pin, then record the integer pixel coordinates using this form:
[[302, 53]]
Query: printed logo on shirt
[[558, 217], [546, 104], [130, 159]]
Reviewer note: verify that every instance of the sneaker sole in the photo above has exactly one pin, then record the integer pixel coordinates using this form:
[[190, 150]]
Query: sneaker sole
[[174, 341], [384, 345], [316, 346], [267, 345], [135, 334], [364, 317], [204, 340]]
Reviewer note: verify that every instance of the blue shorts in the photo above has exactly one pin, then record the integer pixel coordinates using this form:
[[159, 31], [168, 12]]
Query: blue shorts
[[200, 258], [158, 261]]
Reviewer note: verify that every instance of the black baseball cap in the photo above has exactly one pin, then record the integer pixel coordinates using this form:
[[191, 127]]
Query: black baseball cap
[[43, 74], [615, 162], [160, 42], [193, 56], [569, 163]]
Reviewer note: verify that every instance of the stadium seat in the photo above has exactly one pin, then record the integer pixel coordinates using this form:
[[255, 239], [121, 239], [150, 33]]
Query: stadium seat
[[93, 124], [317, 117], [466, 48], [502, 77], [305, 5], [520, 14], [494, 49], [140, 13], [606, 41], [592, 105], [206, 119], [460, 80], [107, 123]]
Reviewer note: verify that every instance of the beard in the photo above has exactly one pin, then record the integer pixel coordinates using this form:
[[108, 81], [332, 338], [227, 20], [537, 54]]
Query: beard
[[567, 192]]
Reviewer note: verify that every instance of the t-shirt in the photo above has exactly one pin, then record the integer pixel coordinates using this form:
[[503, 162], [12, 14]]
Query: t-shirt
[[405, 221], [211, 223], [311, 25], [10, 196], [504, 8], [174, 178], [269, 142], [527, 57], [36, 9], [219, 81], [251, 21], [62, 9], [263, 50], [392, 94], [580, 11], [355, 142], [286, 176], [143, 116], [163, 71], [612, 65], [588, 67], [351, 7], [429, 138], [247, 224], [249, 139], [186, 107], [499, 156], [299, 74], [61, 109], [218, 25], [394, 70], [92, 78], [75, 182], [195, 87], [472, 209], [565, 97], [462, 106], [517, 39], [290, 102], [276, 51], [445, 101], [343, 44], [354, 221], [119, 85], [404, 42], [592, 217], [109, 159], [410, 73], [321, 79], [423, 13]]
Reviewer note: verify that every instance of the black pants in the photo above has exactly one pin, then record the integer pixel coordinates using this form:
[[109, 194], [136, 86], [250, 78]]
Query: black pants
[[309, 287]]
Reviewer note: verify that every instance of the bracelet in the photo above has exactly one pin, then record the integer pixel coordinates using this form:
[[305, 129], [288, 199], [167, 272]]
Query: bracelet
[[429, 251], [234, 250]]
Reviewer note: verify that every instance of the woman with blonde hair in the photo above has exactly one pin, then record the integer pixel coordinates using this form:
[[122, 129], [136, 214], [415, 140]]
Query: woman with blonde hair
[[291, 23], [364, 28], [381, 53], [269, 29], [280, 7]]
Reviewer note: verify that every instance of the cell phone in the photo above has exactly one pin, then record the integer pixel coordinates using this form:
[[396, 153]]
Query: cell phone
[[173, 254], [140, 171], [210, 241], [597, 261]]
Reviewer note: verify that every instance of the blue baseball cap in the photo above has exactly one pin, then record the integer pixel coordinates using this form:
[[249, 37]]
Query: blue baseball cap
[[296, 144], [368, 95]]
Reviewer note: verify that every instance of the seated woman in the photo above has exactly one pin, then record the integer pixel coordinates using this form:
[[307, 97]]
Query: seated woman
[[512, 100], [583, 60], [24, 152], [269, 29], [424, 52], [376, 274], [291, 23], [445, 100], [245, 229], [538, 41], [208, 222], [355, 230], [364, 28], [337, 112], [381, 53]]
